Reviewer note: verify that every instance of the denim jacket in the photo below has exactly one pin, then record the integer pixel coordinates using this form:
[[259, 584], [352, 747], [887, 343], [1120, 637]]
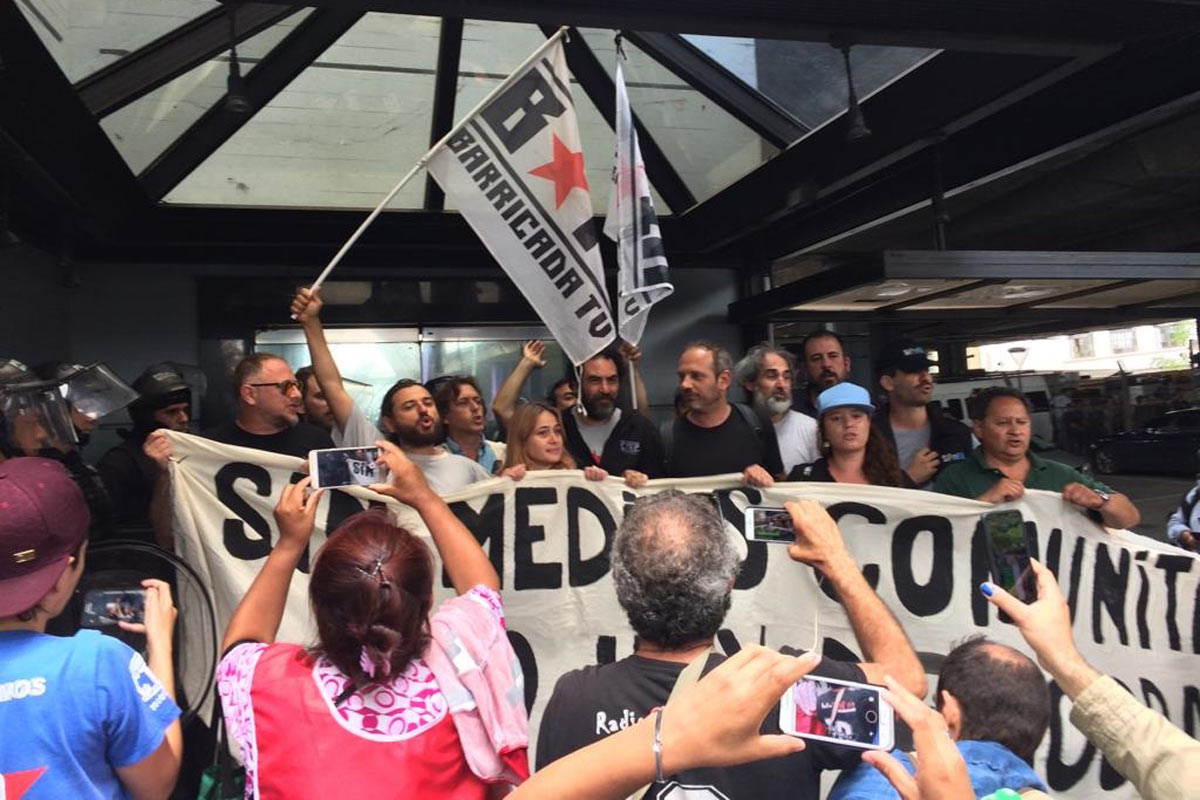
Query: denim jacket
[[990, 765]]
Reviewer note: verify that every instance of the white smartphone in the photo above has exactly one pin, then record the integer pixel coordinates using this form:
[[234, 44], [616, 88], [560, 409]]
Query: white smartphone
[[344, 466], [839, 712], [768, 524]]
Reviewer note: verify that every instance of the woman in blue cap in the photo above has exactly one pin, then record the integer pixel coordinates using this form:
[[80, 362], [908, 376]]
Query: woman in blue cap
[[855, 451]]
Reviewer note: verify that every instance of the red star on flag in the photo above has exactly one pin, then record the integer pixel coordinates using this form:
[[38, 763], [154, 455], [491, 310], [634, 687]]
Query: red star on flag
[[15, 784], [566, 170]]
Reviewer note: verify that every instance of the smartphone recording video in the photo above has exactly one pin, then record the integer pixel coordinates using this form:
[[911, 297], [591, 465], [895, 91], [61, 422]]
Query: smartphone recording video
[[1010, 551], [839, 712], [344, 466], [103, 608], [767, 524]]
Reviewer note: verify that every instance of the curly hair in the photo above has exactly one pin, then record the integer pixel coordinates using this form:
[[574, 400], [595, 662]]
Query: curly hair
[[674, 565]]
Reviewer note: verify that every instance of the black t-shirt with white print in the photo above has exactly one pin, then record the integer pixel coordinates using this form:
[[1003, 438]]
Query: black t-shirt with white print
[[591, 703]]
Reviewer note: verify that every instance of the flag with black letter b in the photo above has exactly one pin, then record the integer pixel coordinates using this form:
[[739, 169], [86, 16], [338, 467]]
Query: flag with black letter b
[[515, 170], [633, 225]]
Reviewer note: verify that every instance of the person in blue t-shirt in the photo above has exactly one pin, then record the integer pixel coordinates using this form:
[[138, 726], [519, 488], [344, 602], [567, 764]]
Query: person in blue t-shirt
[[80, 716]]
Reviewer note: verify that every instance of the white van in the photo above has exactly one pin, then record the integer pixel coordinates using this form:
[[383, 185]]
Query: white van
[[953, 393]]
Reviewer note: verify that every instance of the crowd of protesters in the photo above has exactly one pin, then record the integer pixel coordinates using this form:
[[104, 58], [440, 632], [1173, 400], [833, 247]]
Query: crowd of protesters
[[397, 697]]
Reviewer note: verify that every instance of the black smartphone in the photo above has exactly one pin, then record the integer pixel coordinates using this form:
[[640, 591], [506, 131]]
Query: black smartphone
[[103, 608], [1010, 551]]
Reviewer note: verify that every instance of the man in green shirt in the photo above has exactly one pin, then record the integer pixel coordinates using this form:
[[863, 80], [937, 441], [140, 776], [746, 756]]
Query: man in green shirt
[[1002, 468]]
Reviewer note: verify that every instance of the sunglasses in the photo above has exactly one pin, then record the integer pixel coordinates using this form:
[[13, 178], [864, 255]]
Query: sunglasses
[[282, 386]]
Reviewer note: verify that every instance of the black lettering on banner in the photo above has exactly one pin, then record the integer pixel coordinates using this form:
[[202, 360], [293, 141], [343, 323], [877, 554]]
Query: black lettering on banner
[[1061, 775], [524, 217], [606, 649], [487, 526], [1149, 689], [539, 243], [529, 669], [1143, 600], [527, 573], [932, 597], [487, 176], [522, 111], [581, 571], [754, 568], [473, 159], [341, 507], [1053, 555], [981, 571], [873, 516], [1191, 711], [567, 283], [460, 141], [500, 195], [1172, 566], [233, 533], [1108, 590], [836, 651]]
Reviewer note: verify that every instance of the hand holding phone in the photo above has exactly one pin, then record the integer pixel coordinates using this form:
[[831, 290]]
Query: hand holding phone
[[769, 524], [1010, 551], [838, 712], [344, 466], [104, 608]]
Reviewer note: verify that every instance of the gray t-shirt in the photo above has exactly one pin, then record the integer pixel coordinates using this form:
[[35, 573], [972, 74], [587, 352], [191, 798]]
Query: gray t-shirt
[[445, 472], [596, 436], [909, 443]]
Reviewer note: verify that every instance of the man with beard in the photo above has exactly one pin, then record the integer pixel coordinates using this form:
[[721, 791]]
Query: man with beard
[[606, 437], [268, 415], [827, 365], [766, 374], [1003, 467], [316, 408], [408, 414], [715, 436], [925, 439]]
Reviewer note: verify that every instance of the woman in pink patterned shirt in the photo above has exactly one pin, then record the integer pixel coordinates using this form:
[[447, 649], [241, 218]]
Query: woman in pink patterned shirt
[[376, 708]]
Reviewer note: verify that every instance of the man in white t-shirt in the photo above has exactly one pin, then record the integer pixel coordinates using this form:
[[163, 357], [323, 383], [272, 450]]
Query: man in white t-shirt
[[408, 415], [767, 374]]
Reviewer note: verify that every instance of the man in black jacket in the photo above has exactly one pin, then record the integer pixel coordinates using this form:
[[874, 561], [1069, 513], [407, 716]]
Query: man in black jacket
[[925, 439], [605, 436]]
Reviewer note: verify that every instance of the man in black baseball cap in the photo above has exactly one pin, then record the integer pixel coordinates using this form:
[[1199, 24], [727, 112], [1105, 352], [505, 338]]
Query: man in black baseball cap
[[925, 439], [129, 474]]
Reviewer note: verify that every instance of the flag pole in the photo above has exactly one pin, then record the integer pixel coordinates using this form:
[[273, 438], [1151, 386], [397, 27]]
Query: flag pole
[[423, 160]]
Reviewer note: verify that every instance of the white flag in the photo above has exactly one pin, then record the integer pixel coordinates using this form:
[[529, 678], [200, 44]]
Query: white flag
[[515, 170], [632, 224]]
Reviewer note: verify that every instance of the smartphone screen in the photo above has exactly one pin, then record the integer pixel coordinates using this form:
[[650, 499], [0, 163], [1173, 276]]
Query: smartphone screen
[[344, 466], [1010, 554], [840, 712], [105, 607], [766, 524]]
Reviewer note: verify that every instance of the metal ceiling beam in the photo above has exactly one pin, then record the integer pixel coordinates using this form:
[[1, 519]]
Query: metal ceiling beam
[[1065, 114], [444, 92], [166, 58], [951, 291], [752, 108], [50, 139], [599, 87], [827, 283], [1039, 264], [1037, 27], [281, 66]]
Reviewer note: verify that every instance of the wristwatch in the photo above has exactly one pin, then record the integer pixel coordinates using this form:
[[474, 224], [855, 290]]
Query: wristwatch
[[1104, 497]]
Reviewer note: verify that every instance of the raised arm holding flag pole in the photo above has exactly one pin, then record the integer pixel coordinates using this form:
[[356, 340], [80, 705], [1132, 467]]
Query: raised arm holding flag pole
[[514, 167], [633, 225]]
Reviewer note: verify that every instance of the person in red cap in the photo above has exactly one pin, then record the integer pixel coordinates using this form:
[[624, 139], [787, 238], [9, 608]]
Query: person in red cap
[[92, 718]]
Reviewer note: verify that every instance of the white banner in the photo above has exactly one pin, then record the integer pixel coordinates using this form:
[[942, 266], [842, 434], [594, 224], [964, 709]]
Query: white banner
[[1136, 601], [633, 225], [516, 172]]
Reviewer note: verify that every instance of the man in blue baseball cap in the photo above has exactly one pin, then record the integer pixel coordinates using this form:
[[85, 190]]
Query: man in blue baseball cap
[[925, 439]]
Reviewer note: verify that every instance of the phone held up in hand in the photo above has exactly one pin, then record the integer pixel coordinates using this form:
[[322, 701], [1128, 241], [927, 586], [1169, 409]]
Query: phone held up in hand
[[1010, 550], [838, 712], [103, 608], [768, 524], [344, 466]]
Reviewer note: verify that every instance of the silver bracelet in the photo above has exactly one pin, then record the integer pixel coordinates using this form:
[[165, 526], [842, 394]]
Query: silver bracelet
[[658, 773]]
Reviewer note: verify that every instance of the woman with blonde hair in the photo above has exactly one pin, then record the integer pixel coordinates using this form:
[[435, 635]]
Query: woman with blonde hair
[[536, 442]]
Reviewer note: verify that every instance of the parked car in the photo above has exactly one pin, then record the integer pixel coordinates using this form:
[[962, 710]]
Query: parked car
[[1167, 444]]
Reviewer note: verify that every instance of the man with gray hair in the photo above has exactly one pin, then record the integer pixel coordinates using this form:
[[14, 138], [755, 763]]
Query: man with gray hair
[[715, 436], [674, 564], [767, 374]]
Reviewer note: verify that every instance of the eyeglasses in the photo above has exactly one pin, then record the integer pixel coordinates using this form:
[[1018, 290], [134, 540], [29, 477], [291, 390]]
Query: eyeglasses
[[283, 386]]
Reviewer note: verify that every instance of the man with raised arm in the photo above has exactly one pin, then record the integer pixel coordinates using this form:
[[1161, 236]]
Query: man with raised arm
[[674, 566], [408, 414]]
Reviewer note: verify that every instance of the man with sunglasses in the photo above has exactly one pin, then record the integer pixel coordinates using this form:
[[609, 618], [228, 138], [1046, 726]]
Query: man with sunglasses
[[268, 413]]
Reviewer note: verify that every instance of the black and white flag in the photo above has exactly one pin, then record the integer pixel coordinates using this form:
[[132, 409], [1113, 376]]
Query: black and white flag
[[515, 170], [632, 224]]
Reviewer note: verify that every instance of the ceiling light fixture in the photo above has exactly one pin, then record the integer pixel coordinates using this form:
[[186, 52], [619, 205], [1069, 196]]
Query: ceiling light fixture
[[237, 101], [856, 126]]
